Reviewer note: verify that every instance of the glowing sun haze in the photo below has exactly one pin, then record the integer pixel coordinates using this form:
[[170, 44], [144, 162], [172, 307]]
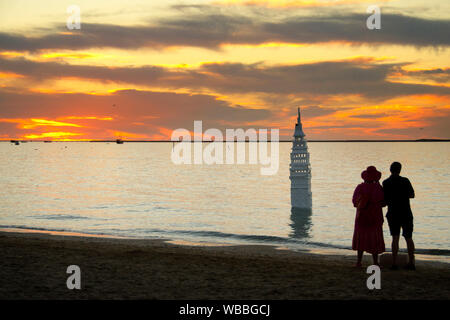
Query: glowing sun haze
[[140, 69]]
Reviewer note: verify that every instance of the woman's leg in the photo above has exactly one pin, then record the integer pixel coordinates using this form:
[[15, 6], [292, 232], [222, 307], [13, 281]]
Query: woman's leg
[[375, 258], [360, 255]]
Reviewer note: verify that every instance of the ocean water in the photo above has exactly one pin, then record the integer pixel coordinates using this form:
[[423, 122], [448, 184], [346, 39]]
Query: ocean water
[[134, 190]]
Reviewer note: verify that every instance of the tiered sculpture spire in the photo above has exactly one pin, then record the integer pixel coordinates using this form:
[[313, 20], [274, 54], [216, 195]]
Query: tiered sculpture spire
[[300, 169]]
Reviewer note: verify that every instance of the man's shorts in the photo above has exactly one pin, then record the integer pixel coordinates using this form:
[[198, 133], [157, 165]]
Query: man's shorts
[[405, 224]]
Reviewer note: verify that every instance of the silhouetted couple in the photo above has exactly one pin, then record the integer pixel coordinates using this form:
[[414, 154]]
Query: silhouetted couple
[[369, 198]]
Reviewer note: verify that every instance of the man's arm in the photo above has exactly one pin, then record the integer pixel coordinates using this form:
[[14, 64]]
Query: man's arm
[[411, 193], [386, 192]]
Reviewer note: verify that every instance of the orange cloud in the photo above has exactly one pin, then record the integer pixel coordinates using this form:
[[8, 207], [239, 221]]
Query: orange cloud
[[10, 75], [387, 121], [11, 54], [80, 55], [62, 136], [128, 135], [33, 123], [265, 45], [89, 118]]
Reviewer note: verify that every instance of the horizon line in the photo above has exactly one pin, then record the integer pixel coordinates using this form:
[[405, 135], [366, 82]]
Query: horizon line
[[193, 141]]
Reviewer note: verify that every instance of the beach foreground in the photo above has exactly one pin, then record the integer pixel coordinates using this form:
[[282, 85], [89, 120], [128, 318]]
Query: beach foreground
[[33, 266]]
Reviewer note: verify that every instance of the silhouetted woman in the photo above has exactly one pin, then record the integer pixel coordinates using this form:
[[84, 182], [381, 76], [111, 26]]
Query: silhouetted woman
[[368, 198]]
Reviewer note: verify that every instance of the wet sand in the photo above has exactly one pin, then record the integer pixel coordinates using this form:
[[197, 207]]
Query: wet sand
[[33, 266]]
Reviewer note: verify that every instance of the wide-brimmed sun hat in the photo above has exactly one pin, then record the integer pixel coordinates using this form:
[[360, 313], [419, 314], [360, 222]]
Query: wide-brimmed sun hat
[[371, 174]]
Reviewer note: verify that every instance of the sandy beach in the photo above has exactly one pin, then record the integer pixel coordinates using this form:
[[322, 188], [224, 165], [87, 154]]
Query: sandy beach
[[33, 266]]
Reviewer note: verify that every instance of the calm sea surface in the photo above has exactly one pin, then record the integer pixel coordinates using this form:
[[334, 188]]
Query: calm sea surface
[[135, 190]]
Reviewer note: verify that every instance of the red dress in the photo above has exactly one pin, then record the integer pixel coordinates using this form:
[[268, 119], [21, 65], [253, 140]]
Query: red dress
[[368, 198]]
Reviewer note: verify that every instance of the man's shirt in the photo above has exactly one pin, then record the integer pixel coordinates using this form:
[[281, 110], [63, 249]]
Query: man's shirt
[[397, 192]]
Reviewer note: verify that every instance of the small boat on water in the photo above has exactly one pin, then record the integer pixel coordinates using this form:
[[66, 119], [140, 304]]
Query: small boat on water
[[119, 141], [47, 141]]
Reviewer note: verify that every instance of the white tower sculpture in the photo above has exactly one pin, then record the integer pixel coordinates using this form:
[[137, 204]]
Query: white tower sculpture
[[300, 169]]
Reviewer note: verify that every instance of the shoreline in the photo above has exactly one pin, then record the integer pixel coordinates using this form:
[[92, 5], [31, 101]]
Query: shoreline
[[33, 266], [325, 250]]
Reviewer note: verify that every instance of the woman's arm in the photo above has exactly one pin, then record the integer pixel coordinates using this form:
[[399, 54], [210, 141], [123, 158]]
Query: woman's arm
[[356, 196], [360, 198]]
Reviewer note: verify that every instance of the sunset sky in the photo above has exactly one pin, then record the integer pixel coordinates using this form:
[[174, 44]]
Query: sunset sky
[[140, 69]]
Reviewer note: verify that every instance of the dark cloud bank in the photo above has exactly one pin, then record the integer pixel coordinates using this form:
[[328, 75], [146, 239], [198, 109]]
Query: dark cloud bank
[[359, 76], [213, 29]]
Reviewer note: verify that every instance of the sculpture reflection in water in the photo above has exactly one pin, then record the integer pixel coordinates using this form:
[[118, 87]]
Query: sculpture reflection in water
[[300, 222]]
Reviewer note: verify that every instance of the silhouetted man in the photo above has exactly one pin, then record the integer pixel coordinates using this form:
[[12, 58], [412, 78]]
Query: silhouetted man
[[397, 192]]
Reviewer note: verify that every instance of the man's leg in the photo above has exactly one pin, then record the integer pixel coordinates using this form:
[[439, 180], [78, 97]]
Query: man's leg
[[394, 228], [395, 240], [407, 234], [411, 248]]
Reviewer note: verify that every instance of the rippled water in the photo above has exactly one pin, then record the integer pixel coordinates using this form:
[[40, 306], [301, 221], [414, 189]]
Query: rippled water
[[135, 190]]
